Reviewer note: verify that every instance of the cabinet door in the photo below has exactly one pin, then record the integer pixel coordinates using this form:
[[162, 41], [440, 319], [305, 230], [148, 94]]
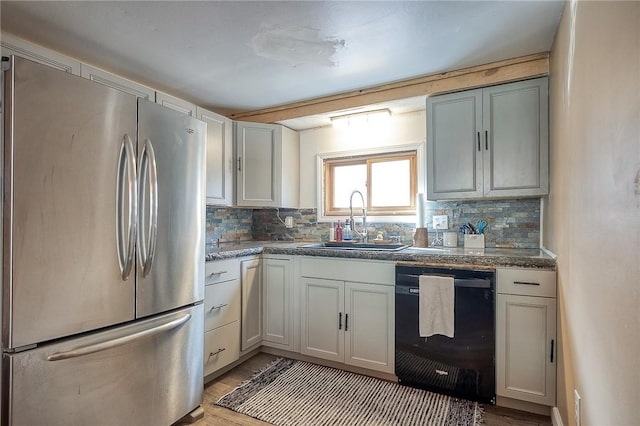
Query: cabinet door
[[117, 82], [219, 157], [515, 122], [454, 151], [12, 45], [525, 348], [176, 104], [257, 149], [277, 301], [323, 319], [251, 303], [369, 326]]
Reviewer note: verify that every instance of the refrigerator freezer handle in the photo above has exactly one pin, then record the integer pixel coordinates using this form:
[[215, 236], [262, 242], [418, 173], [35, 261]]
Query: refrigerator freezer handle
[[103, 346], [127, 164]]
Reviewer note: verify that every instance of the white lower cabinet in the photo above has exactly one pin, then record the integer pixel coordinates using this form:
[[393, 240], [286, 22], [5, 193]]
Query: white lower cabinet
[[222, 296], [251, 277], [277, 296], [221, 347], [323, 319], [369, 326], [526, 335], [349, 322]]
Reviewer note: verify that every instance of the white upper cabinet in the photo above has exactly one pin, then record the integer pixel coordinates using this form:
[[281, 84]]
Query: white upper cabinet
[[268, 165], [117, 82], [219, 157], [12, 45], [489, 143], [176, 104]]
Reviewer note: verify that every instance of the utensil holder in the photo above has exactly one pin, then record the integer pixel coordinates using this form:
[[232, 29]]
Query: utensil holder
[[474, 241]]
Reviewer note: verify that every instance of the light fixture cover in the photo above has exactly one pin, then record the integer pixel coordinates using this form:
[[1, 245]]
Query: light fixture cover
[[360, 118]]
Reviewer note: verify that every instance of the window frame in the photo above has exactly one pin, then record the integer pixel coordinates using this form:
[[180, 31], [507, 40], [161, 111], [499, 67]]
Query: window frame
[[329, 165], [382, 214]]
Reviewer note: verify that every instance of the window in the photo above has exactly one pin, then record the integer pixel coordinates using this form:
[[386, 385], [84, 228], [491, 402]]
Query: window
[[386, 181]]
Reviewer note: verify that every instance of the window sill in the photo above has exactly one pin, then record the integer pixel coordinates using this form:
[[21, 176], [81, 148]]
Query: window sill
[[411, 219]]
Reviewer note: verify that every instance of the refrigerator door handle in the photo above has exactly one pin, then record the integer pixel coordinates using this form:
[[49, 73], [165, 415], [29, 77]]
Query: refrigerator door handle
[[126, 164], [148, 167], [103, 346]]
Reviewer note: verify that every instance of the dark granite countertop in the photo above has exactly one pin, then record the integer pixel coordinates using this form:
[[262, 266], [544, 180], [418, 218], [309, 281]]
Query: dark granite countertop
[[486, 258]]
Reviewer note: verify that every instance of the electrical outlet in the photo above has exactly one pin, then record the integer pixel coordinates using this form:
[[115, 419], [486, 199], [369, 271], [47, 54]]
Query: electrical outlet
[[441, 222], [576, 406]]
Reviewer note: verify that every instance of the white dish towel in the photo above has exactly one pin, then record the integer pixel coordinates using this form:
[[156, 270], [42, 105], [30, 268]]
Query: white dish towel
[[437, 300]]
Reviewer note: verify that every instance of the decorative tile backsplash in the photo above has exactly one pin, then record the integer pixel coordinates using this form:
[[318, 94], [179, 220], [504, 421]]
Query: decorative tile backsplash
[[228, 224], [512, 223]]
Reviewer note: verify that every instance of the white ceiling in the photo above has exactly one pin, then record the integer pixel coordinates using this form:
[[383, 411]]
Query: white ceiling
[[247, 55]]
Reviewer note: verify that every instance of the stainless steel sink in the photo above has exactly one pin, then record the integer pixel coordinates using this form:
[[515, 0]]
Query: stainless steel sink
[[356, 246]]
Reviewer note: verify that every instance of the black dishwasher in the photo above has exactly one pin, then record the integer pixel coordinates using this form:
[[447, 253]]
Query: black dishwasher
[[462, 366]]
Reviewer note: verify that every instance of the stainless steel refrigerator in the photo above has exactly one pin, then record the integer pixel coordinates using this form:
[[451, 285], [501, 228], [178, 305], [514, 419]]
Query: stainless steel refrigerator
[[103, 254]]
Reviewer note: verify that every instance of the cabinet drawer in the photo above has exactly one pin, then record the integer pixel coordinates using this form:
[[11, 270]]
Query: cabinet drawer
[[221, 347], [221, 270], [221, 304], [526, 282]]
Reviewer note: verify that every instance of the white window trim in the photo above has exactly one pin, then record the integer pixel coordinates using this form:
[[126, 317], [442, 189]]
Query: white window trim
[[419, 147]]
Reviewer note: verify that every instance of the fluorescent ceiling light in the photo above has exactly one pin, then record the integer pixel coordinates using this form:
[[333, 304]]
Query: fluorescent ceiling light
[[361, 118]]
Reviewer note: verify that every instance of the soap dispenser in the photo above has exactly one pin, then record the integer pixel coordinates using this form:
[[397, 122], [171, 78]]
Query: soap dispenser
[[346, 232], [338, 231]]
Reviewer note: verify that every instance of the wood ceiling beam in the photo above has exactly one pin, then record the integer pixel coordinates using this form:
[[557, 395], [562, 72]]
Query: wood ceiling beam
[[483, 75]]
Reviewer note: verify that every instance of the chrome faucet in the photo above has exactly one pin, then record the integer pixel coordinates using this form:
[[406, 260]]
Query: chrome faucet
[[363, 233]]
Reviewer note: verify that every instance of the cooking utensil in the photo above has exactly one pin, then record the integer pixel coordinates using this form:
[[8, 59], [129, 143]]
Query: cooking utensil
[[481, 225]]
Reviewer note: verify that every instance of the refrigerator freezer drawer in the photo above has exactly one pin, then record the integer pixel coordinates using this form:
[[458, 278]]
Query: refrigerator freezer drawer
[[148, 372], [221, 347], [221, 304]]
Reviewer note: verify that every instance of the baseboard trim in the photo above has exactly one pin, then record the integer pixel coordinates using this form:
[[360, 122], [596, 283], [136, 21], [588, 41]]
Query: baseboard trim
[[530, 407], [556, 418], [231, 366], [340, 366]]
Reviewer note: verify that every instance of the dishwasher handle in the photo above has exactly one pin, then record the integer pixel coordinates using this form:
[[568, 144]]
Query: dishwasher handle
[[411, 280]]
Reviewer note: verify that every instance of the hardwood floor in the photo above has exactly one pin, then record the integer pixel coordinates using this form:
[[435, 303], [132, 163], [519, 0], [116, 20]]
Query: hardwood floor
[[217, 416]]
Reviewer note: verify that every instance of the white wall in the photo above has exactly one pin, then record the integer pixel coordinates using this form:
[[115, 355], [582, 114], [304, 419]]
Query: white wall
[[592, 216], [401, 129]]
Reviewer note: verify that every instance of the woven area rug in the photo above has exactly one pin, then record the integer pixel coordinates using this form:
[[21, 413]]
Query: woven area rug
[[296, 393]]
